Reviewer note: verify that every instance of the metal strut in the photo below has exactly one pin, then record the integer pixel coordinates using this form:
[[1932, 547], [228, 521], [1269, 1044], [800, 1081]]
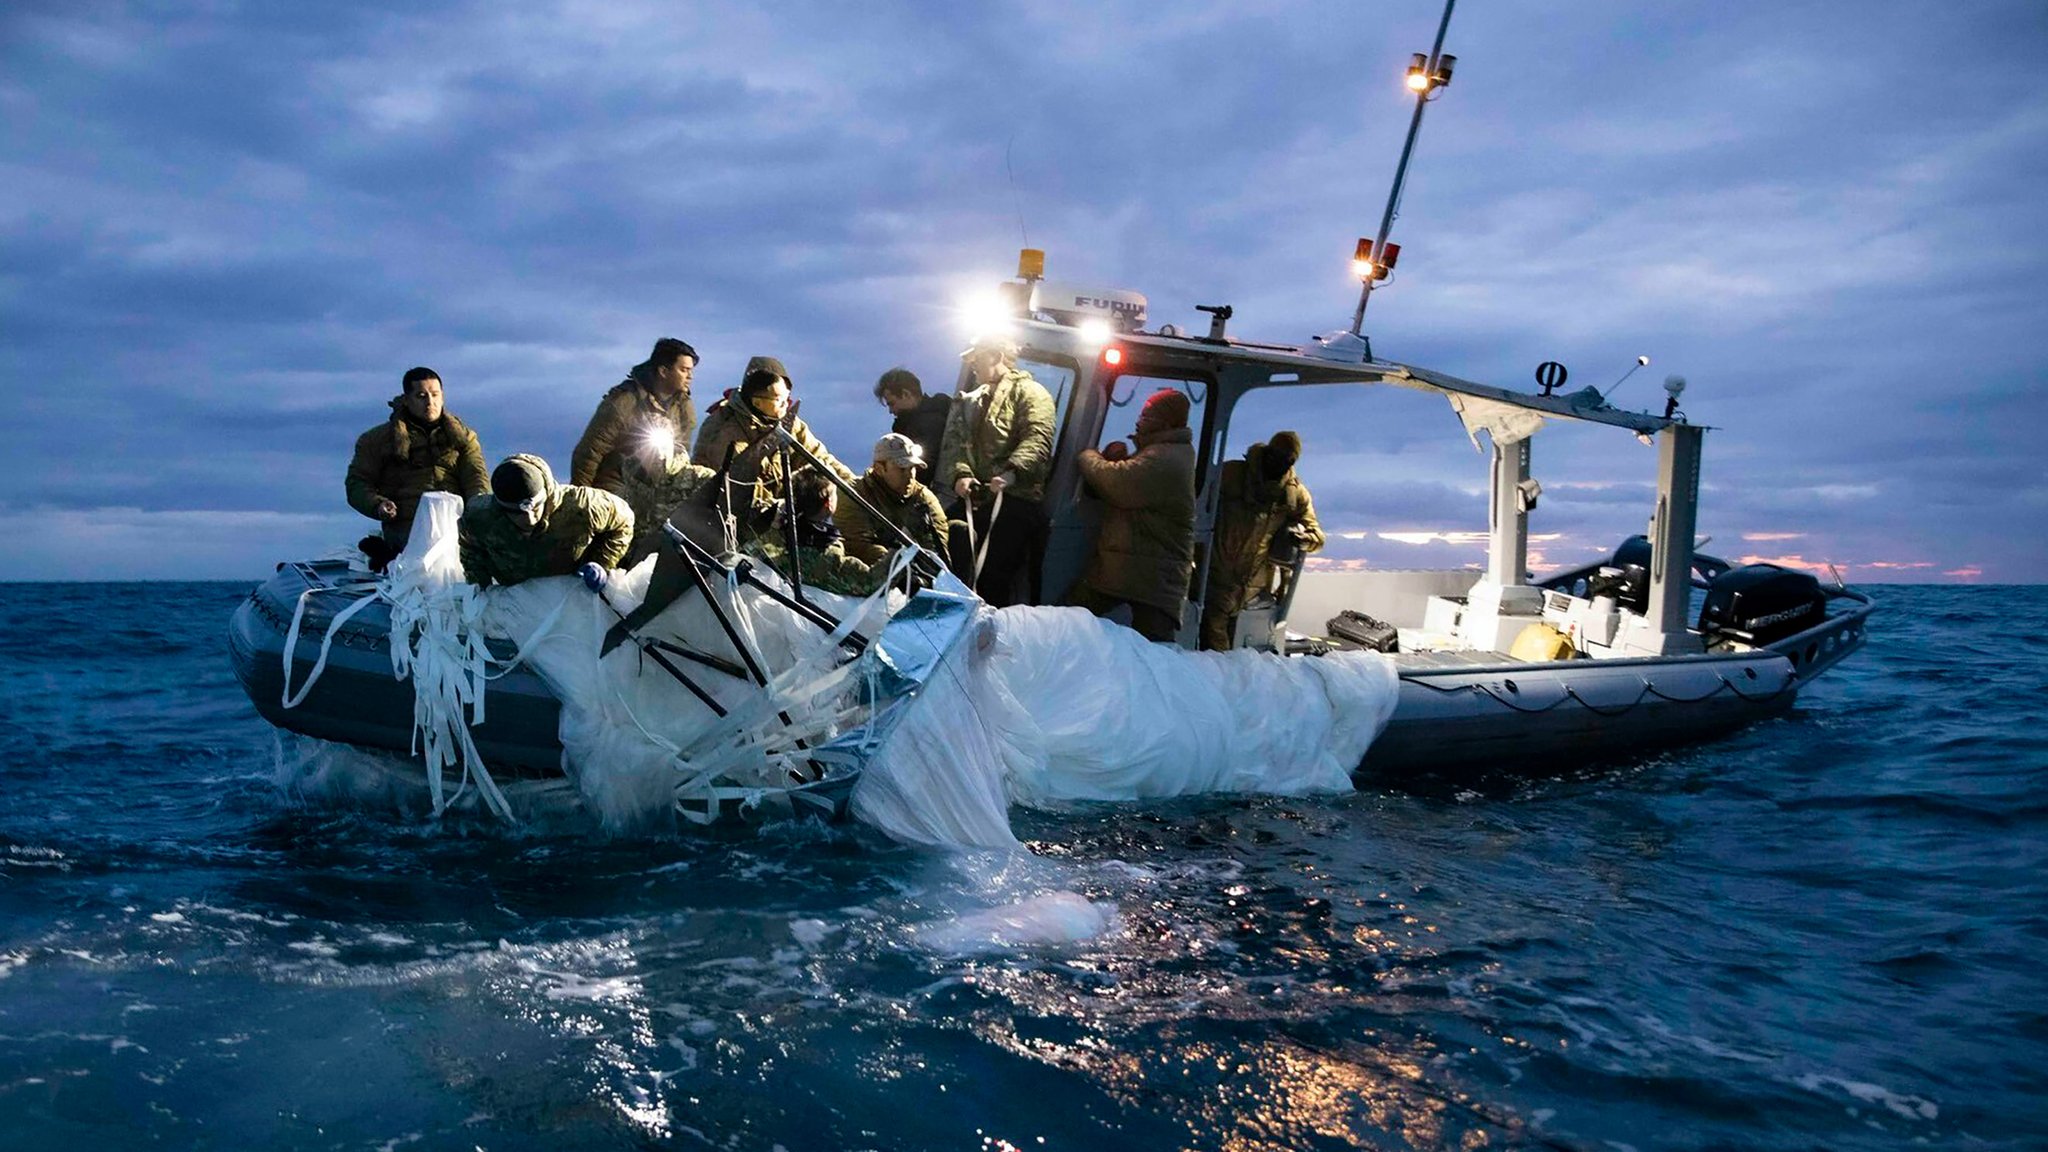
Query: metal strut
[[852, 492]]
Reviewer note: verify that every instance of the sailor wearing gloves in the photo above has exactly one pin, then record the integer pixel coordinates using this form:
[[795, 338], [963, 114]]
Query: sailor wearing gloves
[[822, 559], [528, 526]]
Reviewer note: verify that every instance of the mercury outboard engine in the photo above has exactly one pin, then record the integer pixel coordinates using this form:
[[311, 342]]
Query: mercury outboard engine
[[1759, 604]]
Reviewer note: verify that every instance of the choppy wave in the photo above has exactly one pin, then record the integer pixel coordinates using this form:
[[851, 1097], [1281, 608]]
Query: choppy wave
[[1822, 932]]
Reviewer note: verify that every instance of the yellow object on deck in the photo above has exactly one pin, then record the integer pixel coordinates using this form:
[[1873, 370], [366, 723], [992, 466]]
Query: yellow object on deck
[[1540, 642]]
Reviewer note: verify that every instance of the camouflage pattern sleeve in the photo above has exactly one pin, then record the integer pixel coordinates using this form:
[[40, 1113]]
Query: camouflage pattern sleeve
[[1031, 458], [611, 528]]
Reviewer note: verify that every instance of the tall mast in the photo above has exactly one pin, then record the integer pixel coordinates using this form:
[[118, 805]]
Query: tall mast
[[1426, 77]]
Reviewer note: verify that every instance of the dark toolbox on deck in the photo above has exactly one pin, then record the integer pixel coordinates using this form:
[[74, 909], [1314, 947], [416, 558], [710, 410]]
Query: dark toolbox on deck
[[1362, 631]]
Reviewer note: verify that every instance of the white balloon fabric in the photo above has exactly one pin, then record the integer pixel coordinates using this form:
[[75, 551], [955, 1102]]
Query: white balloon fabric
[[951, 714]]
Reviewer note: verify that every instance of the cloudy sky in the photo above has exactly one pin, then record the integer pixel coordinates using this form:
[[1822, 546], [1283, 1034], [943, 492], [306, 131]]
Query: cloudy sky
[[227, 229]]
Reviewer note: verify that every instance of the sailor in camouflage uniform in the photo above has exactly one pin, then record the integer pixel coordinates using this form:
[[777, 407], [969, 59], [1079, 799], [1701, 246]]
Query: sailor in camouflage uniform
[[999, 441], [527, 526]]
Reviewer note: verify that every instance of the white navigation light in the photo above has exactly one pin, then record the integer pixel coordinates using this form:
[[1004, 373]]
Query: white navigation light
[[1418, 73]]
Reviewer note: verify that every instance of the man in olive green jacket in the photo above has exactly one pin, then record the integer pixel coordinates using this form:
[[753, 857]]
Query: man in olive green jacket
[[999, 442], [1145, 551], [645, 419], [1261, 500], [527, 526], [422, 448], [891, 488], [743, 421]]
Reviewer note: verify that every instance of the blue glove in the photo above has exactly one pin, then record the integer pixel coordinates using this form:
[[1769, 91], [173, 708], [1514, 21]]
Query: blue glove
[[594, 577]]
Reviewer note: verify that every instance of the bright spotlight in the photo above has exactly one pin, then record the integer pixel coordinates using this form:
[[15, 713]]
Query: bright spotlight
[[985, 314]]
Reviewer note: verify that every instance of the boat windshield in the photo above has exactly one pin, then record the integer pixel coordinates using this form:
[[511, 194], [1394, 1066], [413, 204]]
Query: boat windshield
[[1057, 377]]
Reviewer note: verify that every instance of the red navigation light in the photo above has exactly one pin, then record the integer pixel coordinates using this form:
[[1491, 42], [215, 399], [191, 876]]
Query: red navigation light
[[1112, 356]]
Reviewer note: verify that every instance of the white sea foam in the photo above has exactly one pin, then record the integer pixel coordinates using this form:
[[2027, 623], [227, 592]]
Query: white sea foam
[[1907, 1107], [1050, 919]]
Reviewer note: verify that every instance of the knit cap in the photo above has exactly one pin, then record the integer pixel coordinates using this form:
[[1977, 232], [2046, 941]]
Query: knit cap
[[517, 481], [1166, 408]]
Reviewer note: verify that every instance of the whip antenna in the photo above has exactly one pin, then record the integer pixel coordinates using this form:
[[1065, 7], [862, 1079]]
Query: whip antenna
[[1016, 197], [1641, 362]]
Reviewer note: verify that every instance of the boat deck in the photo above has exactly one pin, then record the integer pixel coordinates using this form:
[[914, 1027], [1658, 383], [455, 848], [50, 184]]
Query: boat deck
[[1450, 660]]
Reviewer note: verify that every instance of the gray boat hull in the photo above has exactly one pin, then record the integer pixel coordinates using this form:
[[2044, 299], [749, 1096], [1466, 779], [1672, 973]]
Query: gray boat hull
[[357, 699], [1455, 711], [1471, 716]]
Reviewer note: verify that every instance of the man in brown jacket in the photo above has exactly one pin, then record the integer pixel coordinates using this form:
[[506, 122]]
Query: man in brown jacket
[[1145, 551], [1261, 500], [422, 448], [744, 421], [646, 419], [891, 488], [998, 443]]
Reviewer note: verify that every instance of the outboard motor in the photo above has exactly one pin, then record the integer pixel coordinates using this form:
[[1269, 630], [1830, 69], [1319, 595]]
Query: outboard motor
[[1760, 604]]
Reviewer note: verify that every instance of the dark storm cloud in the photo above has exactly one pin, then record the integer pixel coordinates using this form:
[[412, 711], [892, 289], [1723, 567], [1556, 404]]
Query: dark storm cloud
[[226, 229]]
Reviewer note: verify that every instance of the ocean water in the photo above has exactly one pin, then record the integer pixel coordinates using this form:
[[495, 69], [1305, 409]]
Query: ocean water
[[1825, 932]]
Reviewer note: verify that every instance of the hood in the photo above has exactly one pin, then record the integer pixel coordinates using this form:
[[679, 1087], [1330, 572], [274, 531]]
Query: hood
[[548, 485], [766, 364], [1255, 471]]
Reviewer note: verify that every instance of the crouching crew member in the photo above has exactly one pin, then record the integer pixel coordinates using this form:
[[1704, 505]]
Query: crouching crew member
[[822, 559], [647, 413], [998, 442], [1145, 552], [1261, 501], [743, 422], [891, 488], [422, 448], [918, 416], [528, 526]]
